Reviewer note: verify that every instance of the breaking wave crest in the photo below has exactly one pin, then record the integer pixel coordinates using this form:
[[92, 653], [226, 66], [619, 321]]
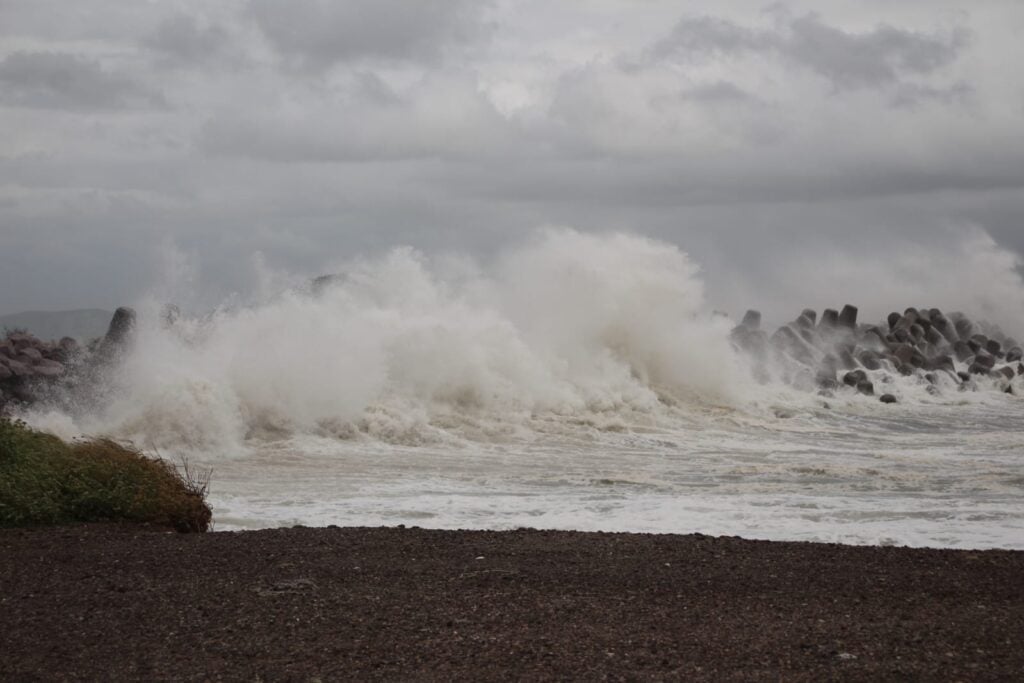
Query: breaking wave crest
[[400, 347], [608, 332]]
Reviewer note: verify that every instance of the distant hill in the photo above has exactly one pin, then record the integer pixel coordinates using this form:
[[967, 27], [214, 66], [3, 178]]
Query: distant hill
[[82, 324]]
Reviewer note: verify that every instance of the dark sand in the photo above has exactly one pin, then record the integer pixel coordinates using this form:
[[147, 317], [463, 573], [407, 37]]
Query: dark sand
[[114, 603]]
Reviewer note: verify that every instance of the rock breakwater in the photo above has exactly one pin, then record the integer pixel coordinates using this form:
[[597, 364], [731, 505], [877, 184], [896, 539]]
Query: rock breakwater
[[33, 370], [836, 352]]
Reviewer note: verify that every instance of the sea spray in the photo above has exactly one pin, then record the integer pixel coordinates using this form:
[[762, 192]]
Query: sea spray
[[577, 381], [568, 324]]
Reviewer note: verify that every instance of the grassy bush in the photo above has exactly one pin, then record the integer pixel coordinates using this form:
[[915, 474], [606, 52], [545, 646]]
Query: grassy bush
[[44, 480]]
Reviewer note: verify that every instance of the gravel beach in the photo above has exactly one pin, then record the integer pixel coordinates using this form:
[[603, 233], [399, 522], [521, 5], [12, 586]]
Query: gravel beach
[[108, 602]]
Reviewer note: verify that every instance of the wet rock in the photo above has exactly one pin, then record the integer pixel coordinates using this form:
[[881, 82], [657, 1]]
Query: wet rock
[[964, 327], [752, 320], [962, 351], [887, 398], [811, 315], [977, 368], [874, 339], [1007, 372], [866, 387], [829, 319], [870, 360], [893, 320], [790, 343], [48, 368], [30, 355], [753, 342], [943, 362], [934, 337], [19, 369], [855, 377], [994, 348], [985, 360], [5, 373], [848, 317], [846, 359], [122, 325], [119, 336], [1014, 355]]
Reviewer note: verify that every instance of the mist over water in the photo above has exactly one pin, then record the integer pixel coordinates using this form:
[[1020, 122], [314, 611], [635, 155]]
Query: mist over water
[[577, 381]]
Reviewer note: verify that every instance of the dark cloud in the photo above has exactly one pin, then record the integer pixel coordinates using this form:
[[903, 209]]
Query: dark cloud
[[318, 33], [313, 131], [847, 59], [56, 80], [183, 40]]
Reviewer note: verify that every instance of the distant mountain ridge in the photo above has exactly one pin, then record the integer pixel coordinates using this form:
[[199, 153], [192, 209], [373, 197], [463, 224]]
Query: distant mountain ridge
[[82, 324]]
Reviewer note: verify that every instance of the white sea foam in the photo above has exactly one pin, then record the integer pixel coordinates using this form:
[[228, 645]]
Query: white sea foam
[[577, 381]]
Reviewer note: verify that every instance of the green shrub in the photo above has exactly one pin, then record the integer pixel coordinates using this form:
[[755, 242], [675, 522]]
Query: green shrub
[[44, 480]]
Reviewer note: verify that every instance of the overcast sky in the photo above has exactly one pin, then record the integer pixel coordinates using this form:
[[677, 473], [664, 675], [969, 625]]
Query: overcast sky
[[780, 144]]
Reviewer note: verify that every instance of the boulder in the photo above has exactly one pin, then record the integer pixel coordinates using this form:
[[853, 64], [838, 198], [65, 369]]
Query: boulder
[[893, 320], [19, 369], [962, 350], [855, 377], [119, 336], [870, 360], [811, 315], [887, 398], [985, 360], [866, 387], [846, 359], [994, 348], [49, 368], [977, 368], [122, 325], [790, 343], [964, 327], [829, 319], [943, 362], [1014, 355], [752, 320], [848, 317], [23, 342], [751, 341]]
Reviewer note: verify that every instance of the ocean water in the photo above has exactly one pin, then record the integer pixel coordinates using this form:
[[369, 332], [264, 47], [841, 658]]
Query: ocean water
[[578, 382]]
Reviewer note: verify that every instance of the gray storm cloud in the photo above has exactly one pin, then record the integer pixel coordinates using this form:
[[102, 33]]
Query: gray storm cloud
[[763, 140], [56, 80]]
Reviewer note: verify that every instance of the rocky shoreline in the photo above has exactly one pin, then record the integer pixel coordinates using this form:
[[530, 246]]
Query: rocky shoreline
[[124, 603], [836, 353], [833, 354], [34, 371]]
